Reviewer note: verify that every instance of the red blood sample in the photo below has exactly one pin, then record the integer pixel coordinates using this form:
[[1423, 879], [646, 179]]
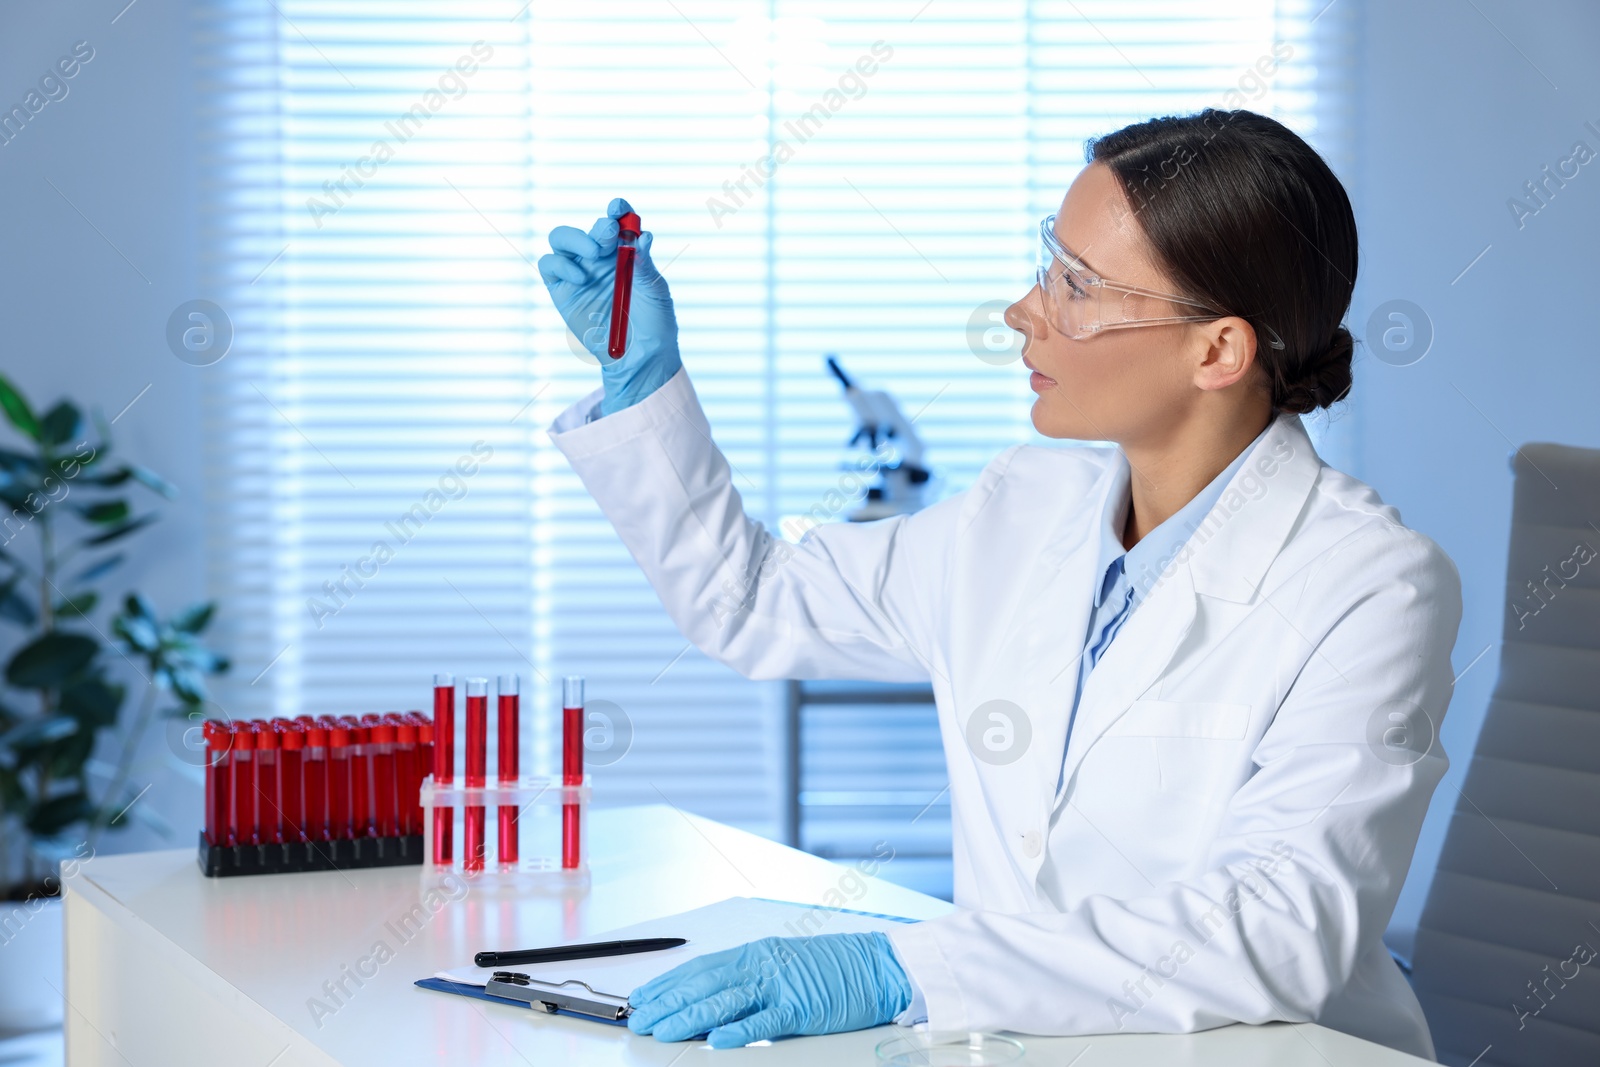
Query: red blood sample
[[507, 746], [339, 748], [292, 746], [269, 814], [477, 767], [571, 766], [622, 288], [314, 773], [218, 738], [444, 764]]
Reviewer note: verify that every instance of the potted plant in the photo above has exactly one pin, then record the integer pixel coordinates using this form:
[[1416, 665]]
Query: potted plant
[[66, 511]]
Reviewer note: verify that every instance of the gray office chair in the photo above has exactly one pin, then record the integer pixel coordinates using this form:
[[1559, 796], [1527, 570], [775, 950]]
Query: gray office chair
[[1507, 957]]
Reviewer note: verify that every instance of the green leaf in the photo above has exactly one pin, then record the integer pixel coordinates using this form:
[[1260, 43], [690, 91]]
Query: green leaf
[[38, 731], [189, 685], [211, 662], [139, 631], [101, 568], [51, 660], [19, 462], [60, 424], [15, 493], [79, 605], [55, 816], [17, 410], [153, 481], [117, 532], [195, 619], [136, 604], [14, 606], [65, 759], [93, 702], [109, 480], [105, 511], [83, 456]]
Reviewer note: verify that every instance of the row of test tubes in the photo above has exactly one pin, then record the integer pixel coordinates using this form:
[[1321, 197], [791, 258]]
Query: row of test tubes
[[311, 778], [507, 772]]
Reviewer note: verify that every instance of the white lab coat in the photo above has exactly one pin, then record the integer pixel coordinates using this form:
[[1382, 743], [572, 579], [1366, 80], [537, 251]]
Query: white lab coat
[[1238, 813]]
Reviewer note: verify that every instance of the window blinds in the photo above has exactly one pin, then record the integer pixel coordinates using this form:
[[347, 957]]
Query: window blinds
[[859, 178]]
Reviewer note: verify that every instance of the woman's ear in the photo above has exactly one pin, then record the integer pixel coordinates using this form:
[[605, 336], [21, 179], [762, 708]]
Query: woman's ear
[[1226, 350]]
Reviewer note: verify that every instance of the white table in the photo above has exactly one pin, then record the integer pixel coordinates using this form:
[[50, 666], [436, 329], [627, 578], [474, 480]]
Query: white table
[[167, 968]]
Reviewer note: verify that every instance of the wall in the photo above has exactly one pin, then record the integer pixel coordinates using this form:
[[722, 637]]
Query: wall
[[1462, 104]]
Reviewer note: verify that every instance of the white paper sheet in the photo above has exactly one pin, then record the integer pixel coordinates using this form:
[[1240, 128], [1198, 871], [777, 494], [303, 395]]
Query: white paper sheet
[[709, 929]]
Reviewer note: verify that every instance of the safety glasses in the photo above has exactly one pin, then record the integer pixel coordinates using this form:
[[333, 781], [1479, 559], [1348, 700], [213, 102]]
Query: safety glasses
[[1081, 304]]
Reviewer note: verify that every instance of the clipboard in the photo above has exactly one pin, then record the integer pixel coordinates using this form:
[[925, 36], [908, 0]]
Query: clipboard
[[477, 992], [553, 989], [572, 996]]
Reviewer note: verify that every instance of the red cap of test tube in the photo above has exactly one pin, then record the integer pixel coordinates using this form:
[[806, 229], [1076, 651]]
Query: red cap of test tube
[[424, 726], [628, 223], [217, 735], [267, 736], [293, 735]]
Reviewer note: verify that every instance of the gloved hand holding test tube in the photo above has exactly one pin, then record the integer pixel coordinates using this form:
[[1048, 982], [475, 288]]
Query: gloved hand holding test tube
[[624, 318]]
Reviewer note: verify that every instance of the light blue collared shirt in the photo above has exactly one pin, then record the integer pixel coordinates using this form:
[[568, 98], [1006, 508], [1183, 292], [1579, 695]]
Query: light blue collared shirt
[[1116, 595]]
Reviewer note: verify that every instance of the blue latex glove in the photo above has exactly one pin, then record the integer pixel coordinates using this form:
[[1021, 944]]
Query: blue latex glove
[[775, 987], [580, 273]]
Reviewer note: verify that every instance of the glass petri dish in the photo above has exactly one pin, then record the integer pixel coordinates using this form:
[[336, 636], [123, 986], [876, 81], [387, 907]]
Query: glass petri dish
[[937, 1048]]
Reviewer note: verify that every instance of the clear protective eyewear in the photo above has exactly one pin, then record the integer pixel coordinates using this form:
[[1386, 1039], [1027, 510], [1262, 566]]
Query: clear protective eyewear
[[1080, 303]]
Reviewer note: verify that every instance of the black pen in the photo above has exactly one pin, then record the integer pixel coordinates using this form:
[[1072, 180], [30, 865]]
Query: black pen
[[577, 952]]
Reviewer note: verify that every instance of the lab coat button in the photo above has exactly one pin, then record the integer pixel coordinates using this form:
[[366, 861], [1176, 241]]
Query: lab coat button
[[1030, 844]]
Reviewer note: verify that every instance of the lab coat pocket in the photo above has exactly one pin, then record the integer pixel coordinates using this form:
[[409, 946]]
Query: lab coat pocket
[[1182, 718], [1194, 744]]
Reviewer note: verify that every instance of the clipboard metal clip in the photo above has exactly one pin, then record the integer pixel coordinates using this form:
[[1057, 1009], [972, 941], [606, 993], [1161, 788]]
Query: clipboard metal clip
[[551, 997]]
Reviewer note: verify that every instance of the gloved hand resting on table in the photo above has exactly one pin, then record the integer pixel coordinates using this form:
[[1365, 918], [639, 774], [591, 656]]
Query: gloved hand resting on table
[[580, 273], [775, 987]]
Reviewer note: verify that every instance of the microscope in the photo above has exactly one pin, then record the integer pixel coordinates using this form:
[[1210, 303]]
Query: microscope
[[900, 484]]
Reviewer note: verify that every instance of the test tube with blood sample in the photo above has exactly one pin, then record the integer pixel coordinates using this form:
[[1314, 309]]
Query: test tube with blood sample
[[407, 780], [269, 814], [622, 289], [385, 801], [292, 743], [242, 785], [509, 743], [477, 758], [444, 764], [571, 766], [339, 746], [424, 764], [360, 778], [218, 736], [424, 726], [314, 773]]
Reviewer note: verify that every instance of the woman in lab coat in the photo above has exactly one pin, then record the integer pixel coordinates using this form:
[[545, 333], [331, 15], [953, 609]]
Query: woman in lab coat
[[1189, 688]]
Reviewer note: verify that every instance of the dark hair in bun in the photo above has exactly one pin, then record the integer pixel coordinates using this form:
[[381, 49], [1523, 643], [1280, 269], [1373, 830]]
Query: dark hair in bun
[[1247, 218]]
